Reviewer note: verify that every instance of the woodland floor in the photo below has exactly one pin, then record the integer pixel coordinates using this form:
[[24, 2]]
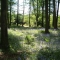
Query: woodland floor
[[26, 43]]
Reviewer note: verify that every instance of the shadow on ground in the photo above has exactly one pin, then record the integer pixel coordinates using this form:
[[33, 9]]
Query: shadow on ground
[[48, 54]]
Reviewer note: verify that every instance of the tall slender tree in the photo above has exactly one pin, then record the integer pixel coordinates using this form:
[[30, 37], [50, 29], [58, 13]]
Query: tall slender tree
[[42, 13], [17, 11], [29, 11], [57, 13], [37, 14], [54, 15], [23, 11], [10, 4], [10, 11], [4, 33], [49, 13], [0, 11], [46, 17]]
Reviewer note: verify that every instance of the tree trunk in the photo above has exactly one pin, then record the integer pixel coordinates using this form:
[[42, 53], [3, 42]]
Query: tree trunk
[[42, 13], [54, 16], [49, 13], [46, 16], [29, 12], [23, 12], [10, 12], [17, 11], [0, 13], [4, 34], [57, 14], [8, 20], [37, 14]]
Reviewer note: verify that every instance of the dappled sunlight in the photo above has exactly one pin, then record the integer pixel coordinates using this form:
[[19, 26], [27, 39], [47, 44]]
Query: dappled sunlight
[[15, 32], [32, 41], [54, 32], [41, 39], [29, 29]]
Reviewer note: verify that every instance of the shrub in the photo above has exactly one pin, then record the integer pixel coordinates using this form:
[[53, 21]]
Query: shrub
[[29, 39]]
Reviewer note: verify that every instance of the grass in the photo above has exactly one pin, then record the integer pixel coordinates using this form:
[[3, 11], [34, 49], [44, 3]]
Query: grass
[[48, 54], [31, 43]]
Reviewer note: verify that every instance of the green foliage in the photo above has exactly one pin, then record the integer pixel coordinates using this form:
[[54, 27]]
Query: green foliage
[[32, 19], [47, 39], [29, 39], [48, 54], [42, 31], [15, 40], [59, 21], [20, 18], [14, 43], [24, 55]]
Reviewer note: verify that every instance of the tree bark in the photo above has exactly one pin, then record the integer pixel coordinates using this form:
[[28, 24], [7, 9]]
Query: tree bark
[[4, 33], [54, 16], [17, 11], [37, 14], [42, 13], [10, 12], [49, 13], [46, 17], [29, 12], [57, 15]]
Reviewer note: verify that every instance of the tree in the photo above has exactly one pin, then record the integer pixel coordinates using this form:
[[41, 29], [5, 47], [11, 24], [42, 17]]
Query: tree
[[37, 14], [0, 11], [17, 11], [54, 14], [46, 17], [36, 8], [49, 13], [10, 12], [42, 12], [23, 11], [57, 14], [29, 12], [10, 4], [4, 33]]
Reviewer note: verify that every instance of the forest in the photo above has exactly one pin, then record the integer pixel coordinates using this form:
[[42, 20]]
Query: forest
[[29, 30]]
